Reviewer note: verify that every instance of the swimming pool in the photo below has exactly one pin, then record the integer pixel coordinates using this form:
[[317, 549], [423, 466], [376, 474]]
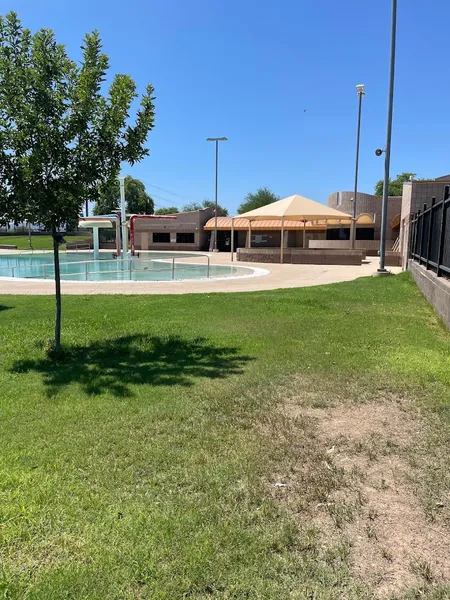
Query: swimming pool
[[153, 266]]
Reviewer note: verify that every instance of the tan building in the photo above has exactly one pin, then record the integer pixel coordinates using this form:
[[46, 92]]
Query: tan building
[[368, 215], [184, 232]]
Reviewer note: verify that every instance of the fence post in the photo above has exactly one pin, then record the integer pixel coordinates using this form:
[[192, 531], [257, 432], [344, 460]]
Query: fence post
[[417, 240], [411, 236], [173, 267], [86, 269], [442, 232], [430, 231], [421, 234]]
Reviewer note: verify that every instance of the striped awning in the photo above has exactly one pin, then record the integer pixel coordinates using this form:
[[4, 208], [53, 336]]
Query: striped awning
[[240, 224]]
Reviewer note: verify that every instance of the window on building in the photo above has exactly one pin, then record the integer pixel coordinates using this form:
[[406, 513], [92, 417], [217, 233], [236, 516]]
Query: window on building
[[365, 233], [339, 199], [161, 238], [185, 238], [257, 240], [338, 233]]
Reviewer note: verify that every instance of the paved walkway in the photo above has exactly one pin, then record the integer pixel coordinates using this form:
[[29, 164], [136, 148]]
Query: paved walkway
[[278, 276]]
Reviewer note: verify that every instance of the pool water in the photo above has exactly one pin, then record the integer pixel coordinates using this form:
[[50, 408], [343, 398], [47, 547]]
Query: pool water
[[80, 266]]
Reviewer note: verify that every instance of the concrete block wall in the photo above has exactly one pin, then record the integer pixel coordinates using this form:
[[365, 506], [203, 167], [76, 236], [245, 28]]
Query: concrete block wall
[[423, 191], [415, 195], [370, 246], [435, 289]]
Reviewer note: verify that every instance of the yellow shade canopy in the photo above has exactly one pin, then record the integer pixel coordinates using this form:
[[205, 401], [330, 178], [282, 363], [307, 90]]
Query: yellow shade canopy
[[240, 224], [296, 208]]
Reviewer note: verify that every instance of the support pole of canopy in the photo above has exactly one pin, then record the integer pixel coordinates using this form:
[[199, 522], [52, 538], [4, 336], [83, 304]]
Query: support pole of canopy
[[95, 237], [249, 241], [304, 234], [282, 241], [232, 239]]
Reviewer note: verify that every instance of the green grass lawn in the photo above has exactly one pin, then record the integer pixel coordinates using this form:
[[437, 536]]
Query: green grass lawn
[[140, 465], [39, 242]]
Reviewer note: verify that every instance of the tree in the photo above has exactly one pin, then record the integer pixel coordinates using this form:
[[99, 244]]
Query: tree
[[261, 197], [221, 210], [395, 186], [170, 210], [137, 200], [60, 137]]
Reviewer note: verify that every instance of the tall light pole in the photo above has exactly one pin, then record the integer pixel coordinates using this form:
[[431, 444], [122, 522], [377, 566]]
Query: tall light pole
[[361, 94], [216, 140], [123, 217], [387, 158]]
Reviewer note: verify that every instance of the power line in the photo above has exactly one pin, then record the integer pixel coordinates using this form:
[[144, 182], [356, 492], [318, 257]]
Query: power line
[[162, 199], [167, 191], [172, 193]]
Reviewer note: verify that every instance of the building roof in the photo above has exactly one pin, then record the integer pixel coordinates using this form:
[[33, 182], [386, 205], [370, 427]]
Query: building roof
[[296, 208], [241, 224]]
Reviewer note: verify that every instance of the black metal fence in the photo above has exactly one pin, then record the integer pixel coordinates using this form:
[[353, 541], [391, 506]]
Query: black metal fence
[[429, 236]]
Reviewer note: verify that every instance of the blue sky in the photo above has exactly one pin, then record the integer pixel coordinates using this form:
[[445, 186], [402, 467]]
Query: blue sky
[[248, 69]]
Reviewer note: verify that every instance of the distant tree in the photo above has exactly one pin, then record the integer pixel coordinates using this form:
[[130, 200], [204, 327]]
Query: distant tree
[[192, 206], [221, 210], [261, 197], [169, 210], [60, 137], [395, 185], [136, 198]]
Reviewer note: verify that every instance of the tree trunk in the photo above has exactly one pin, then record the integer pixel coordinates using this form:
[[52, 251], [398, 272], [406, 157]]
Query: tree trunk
[[57, 291]]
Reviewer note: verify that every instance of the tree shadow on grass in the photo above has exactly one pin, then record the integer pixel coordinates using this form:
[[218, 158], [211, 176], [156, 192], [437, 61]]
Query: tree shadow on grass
[[3, 307], [114, 365]]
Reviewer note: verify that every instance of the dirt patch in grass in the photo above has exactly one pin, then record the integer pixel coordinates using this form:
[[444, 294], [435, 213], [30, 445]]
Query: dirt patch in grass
[[373, 503]]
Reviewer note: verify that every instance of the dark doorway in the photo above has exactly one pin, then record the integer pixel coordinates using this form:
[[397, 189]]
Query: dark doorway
[[224, 240]]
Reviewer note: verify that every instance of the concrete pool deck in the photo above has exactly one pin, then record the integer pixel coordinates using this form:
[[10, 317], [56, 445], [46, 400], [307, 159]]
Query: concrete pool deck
[[279, 276]]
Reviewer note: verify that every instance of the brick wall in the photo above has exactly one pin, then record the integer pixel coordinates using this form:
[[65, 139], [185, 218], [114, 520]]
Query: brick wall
[[301, 256]]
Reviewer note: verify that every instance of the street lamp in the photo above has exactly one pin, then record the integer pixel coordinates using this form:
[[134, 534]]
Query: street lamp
[[361, 94], [387, 159], [216, 140], [123, 216]]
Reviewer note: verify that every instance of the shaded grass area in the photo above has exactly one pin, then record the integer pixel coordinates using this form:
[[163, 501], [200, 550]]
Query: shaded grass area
[[39, 242], [141, 464]]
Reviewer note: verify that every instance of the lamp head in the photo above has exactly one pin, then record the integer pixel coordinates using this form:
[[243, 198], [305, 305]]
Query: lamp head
[[360, 89]]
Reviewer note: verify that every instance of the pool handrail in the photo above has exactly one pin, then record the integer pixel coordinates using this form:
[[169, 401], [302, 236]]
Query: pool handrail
[[171, 266]]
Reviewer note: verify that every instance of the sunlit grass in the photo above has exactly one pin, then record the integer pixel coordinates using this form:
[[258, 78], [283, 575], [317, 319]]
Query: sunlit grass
[[38, 242], [137, 467]]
